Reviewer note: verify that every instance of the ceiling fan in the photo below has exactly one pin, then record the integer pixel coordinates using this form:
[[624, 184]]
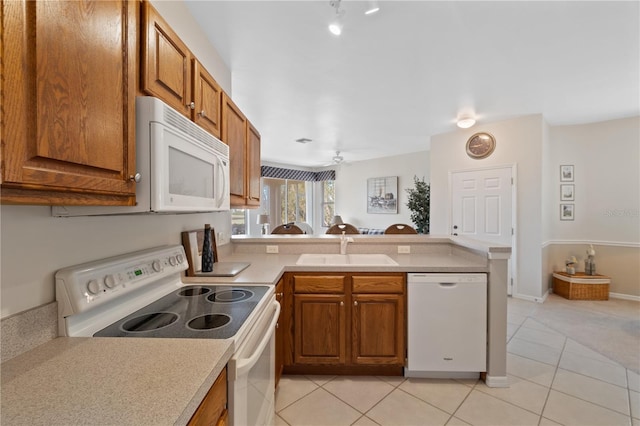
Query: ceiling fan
[[336, 160]]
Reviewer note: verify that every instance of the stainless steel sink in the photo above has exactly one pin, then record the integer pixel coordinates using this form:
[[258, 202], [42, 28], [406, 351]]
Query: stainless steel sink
[[345, 259]]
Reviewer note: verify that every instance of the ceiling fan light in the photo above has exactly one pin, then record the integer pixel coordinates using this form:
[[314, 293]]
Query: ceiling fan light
[[466, 122]]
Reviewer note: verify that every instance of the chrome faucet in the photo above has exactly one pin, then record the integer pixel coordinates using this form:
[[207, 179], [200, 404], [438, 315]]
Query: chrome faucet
[[344, 240]]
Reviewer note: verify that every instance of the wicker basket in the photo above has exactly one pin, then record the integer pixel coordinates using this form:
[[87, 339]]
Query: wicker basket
[[581, 286]]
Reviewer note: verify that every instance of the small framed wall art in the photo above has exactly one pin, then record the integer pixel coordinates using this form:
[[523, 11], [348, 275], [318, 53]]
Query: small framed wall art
[[567, 192], [566, 173], [566, 211]]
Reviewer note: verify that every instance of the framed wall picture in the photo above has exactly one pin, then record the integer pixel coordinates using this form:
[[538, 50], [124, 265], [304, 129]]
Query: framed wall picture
[[382, 195], [567, 192], [567, 211], [566, 173]]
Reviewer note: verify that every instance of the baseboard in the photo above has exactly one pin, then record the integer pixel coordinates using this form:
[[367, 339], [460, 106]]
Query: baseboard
[[624, 296], [497, 381], [441, 374], [531, 298]]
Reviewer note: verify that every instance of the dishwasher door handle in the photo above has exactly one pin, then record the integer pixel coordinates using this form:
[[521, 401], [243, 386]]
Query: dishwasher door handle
[[448, 285]]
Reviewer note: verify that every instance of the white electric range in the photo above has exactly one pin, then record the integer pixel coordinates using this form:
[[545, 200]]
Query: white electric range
[[141, 294]]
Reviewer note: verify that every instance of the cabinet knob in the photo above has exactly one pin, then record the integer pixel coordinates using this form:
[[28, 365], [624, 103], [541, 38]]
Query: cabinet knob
[[341, 303], [192, 105], [202, 113], [135, 178], [355, 303]]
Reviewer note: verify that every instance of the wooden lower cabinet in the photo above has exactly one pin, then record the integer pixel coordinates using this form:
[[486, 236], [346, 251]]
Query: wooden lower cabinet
[[320, 329], [378, 329], [352, 321], [213, 408]]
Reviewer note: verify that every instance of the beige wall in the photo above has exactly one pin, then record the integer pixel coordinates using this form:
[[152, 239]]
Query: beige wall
[[621, 264]]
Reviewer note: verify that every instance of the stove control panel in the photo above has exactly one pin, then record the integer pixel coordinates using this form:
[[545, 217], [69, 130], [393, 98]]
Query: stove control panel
[[83, 287]]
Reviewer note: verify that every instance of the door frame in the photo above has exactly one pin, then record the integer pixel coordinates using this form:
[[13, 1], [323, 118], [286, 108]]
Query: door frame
[[512, 287]]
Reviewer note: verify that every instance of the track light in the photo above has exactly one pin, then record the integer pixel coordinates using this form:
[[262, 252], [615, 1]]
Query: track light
[[372, 7], [335, 26]]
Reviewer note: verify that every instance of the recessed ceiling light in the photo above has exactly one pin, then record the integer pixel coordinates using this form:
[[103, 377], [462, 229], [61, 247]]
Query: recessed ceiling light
[[303, 140], [466, 122]]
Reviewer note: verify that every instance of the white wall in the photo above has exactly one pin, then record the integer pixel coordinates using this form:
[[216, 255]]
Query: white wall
[[351, 188], [35, 245], [606, 159], [518, 142]]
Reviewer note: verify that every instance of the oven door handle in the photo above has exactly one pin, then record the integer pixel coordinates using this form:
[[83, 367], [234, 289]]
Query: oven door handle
[[245, 364]]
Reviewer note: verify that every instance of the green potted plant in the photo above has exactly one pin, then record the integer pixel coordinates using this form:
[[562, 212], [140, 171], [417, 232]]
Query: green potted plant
[[418, 203]]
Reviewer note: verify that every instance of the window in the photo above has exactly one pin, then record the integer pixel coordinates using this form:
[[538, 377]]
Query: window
[[328, 202], [238, 221], [289, 201]]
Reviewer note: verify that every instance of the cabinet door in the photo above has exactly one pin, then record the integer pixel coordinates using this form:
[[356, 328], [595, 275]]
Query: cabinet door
[[166, 62], [280, 331], [319, 324], [234, 134], [68, 119], [253, 166], [213, 407], [207, 97], [378, 329]]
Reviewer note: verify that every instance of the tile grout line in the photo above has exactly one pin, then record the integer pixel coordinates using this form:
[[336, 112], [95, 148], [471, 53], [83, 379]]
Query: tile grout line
[[555, 372]]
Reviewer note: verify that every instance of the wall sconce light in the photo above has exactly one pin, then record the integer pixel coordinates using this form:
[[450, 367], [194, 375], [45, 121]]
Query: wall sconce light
[[263, 219], [337, 220]]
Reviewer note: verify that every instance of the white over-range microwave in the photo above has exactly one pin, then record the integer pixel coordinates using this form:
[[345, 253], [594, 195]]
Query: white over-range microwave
[[180, 167]]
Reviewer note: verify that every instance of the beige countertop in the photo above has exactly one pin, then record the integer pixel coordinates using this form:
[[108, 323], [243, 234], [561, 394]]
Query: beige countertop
[[98, 381]]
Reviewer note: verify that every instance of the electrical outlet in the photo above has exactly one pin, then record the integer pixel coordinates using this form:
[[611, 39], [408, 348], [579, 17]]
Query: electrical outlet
[[272, 249], [404, 249]]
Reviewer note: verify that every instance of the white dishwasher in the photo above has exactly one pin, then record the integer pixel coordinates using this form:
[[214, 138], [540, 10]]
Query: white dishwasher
[[447, 325]]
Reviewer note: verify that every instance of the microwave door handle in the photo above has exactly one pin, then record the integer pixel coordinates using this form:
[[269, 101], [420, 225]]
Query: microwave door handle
[[221, 174]]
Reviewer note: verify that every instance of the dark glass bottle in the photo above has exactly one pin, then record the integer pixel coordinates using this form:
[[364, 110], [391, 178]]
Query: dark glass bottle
[[207, 250]]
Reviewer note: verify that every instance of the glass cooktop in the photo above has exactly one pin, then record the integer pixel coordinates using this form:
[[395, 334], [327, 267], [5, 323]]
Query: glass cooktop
[[199, 312]]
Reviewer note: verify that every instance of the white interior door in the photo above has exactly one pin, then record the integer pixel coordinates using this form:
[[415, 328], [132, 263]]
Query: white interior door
[[482, 207]]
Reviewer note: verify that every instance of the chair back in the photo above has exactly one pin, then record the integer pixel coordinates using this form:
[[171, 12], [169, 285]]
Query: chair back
[[338, 228], [287, 228], [400, 228]]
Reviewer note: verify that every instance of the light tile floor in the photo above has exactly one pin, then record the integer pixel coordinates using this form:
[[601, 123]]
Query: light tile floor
[[554, 380]]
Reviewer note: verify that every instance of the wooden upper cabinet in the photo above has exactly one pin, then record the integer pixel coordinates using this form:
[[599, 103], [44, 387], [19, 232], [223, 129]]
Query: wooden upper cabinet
[[68, 84], [234, 134], [166, 62], [207, 98], [253, 166]]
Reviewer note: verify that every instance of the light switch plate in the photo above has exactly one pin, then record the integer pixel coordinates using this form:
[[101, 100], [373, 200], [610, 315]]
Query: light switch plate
[[272, 249], [404, 249]]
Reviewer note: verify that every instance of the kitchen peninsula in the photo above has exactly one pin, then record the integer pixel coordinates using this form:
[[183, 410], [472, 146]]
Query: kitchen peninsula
[[64, 361]]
